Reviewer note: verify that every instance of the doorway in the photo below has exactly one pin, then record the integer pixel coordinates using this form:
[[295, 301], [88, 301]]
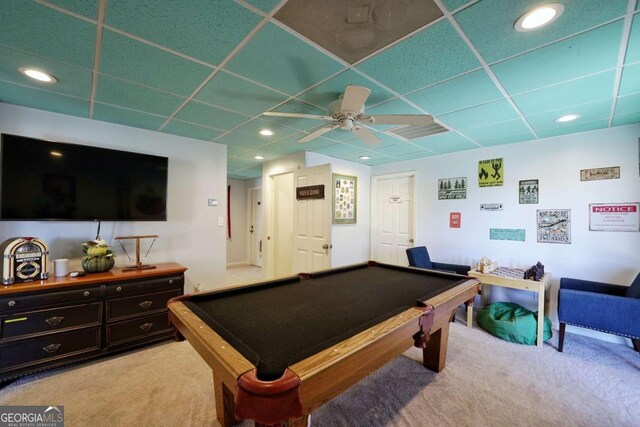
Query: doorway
[[255, 225], [393, 217]]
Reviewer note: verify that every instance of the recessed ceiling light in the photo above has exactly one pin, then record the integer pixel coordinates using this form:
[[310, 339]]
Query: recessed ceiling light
[[539, 17], [365, 157], [266, 132], [568, 118], [41, 76], [258, 157], [56, 154]]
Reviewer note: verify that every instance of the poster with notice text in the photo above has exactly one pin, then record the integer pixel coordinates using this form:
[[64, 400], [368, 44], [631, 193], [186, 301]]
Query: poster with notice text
[[614, 217]]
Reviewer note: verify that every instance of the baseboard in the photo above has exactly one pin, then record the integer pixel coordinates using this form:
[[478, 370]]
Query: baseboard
[[236, 264]]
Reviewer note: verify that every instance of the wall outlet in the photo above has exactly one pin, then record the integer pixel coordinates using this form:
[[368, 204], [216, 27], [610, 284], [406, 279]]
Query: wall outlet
[[213, 202], [220, 221]]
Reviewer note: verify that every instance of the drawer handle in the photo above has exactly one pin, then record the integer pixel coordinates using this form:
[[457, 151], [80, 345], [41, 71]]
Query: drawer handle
[[86, 293], [171, 281], [56, 320], [12, 303], [119, 288], [145, 304], [52, 348], [146, 326]]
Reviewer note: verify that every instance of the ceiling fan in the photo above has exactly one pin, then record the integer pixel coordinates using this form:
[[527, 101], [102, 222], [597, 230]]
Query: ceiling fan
[[347, 113]]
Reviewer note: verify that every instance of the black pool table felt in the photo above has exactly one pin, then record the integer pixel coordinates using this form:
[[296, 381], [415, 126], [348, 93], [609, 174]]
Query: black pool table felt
[[278, 324]]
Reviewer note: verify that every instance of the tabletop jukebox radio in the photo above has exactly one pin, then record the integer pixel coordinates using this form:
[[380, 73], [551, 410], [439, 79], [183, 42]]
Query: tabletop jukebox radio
[[24, 259]]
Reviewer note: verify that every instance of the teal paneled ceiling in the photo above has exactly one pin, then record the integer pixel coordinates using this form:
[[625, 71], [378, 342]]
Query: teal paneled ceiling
[[209, 69]]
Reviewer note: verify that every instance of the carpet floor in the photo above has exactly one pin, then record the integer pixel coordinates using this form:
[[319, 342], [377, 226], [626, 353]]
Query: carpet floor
[[487, 382]]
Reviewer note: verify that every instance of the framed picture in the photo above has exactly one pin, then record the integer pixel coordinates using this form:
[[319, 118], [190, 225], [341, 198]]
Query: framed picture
[[554, 225], [345, 199], [529, 190]]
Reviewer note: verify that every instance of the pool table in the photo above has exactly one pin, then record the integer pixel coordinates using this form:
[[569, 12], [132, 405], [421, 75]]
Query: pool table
[[281, 348]]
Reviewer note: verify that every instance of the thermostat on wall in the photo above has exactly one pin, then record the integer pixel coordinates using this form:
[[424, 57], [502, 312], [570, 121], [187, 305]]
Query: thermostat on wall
[[213, 202]]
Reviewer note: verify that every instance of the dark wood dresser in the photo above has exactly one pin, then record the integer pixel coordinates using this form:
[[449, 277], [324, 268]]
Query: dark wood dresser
[[49, 323]]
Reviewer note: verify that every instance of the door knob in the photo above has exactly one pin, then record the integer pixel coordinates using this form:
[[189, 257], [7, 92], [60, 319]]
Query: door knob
[[410, 240], [325, 246]]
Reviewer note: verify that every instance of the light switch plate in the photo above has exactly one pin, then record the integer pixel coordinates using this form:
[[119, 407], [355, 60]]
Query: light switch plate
[[220, 221]]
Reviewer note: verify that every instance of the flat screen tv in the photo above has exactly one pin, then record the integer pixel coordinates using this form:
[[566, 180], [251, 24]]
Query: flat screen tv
[[43, 180]]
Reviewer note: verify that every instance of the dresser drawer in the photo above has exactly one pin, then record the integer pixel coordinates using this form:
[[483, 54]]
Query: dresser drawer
[[43, 321], [50, 347], [29, 301], [118, 290], [138, 328], [141, 304]]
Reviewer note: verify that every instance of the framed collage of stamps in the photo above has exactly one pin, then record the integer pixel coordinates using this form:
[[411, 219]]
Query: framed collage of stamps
[[345, 200]]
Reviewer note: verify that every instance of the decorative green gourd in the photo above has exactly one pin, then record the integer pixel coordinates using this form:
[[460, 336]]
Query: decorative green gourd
[[98, 258]]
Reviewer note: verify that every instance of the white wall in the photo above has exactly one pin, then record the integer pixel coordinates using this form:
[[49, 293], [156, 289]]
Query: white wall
[[350, 241], [237, 244], [612, 257], [197, 171]]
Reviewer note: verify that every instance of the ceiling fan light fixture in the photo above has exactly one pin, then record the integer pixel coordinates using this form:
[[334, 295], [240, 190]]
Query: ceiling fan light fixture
[[539, 17], [266, 132], [568, 118], [38, 75]]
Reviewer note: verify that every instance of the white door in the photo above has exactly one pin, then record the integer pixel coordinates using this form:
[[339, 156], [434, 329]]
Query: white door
[[312, 222], [255, 226], [283, 198], [393, 220]]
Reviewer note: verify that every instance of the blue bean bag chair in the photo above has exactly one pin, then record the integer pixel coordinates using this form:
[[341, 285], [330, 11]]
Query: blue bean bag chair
[[512, 322]]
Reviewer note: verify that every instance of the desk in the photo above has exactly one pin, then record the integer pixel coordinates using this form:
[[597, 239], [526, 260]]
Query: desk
[[510, 282], [280, 349]]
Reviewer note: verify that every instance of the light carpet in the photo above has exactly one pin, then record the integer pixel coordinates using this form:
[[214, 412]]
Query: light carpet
[[487, 382]]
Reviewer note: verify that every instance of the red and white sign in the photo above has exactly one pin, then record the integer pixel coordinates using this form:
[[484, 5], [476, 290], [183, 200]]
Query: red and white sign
[[455, 218], [614, 216]]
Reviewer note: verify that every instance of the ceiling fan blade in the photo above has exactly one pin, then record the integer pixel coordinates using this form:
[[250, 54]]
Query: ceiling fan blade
[[354, 98], [316, 133], [366, 135], [299, 116], [401, 119]]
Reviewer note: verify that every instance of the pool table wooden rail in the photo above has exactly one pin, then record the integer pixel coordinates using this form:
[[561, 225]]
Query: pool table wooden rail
[[327, 373]]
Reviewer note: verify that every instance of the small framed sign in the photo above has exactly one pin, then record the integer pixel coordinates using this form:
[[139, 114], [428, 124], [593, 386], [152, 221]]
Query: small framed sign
[[452, 188], [345, 191], [596, 174], [310, 192], [455, 219], [529, 191]]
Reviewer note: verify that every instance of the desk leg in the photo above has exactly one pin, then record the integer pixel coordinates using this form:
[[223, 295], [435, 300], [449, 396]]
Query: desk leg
[[540, 336], [224, 403], [484, 294], [469, 305], [434, 355]]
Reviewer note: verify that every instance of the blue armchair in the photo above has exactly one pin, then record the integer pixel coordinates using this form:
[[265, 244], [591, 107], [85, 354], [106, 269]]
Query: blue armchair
[[419, 257], [601, 306]]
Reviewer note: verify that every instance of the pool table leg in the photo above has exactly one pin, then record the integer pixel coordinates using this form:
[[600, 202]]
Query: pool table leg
[[435, 354], [224, 403]]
